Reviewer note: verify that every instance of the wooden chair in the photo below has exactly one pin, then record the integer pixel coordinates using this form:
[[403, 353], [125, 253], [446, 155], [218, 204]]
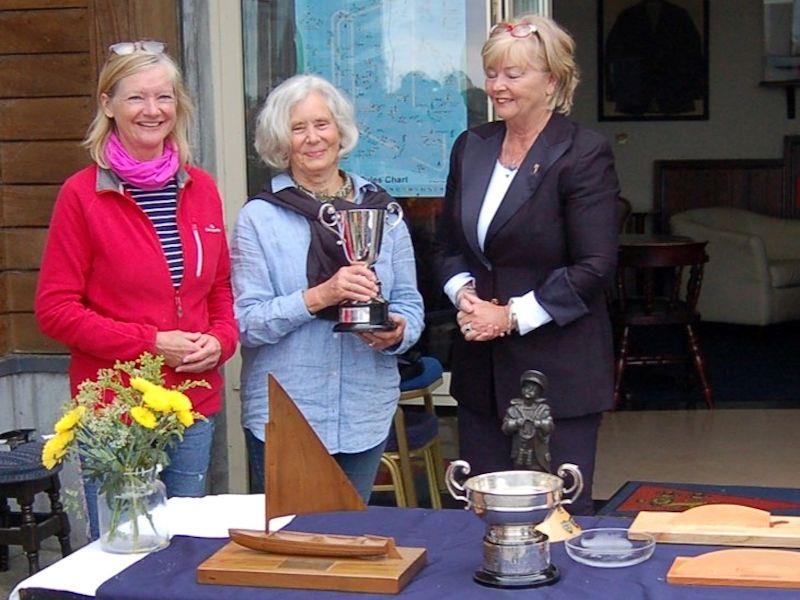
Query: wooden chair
[[22, 476], [415, 435], [624, 210], [658, 294]]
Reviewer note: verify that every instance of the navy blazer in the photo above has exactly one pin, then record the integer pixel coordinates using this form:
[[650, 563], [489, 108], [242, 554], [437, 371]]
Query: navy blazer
[[555, 232]]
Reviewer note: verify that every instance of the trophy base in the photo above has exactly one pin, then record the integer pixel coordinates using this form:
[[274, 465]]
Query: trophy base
[[358, 317], [362, 327], [548, 576]]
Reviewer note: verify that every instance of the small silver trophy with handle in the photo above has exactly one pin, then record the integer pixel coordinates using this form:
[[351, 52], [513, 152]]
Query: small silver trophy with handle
[[516, 554], [360, 232]]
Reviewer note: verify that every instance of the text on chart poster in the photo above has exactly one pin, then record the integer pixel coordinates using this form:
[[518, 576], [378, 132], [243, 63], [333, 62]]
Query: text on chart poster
[[402, 63]]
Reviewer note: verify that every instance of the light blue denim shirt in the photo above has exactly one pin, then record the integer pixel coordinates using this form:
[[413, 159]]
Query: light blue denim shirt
[[346, 390]]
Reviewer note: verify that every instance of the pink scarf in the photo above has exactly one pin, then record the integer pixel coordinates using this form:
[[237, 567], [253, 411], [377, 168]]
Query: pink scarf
[[148, 174]]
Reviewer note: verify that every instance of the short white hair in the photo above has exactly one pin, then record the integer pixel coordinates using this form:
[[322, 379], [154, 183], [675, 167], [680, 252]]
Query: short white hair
[[274, 123]]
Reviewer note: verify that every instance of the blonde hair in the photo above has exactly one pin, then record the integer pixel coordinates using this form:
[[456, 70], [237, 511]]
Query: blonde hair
[[274, 122], [117, 68], [550, 45]]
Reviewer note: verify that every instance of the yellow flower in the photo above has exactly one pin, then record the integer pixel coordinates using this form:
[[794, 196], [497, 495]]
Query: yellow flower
[[70, 419], [179, 401], [185, 417], [143, 416], [49, 455], [55, 448], [65, 437], [142, 385], [158, 399]]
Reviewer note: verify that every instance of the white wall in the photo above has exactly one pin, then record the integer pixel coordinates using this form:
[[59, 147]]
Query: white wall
[[746, 120]]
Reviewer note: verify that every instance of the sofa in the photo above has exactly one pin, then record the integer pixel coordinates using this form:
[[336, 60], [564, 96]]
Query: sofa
[[753, 273]]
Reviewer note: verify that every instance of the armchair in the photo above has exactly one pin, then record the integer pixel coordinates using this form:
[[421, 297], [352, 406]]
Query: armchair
[[753, 273]]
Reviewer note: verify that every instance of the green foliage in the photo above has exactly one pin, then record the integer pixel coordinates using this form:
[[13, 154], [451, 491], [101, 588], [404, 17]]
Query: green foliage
[[110, 440]]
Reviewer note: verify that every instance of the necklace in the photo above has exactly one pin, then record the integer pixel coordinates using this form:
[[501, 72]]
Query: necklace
[[512, 164], [512, 161], [341, 194]]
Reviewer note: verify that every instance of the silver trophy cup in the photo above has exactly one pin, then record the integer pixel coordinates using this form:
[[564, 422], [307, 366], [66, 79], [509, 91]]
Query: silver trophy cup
[[360, 232], [512, 504]]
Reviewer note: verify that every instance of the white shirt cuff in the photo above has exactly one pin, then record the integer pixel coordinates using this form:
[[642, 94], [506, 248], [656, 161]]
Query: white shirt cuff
[[529, 313], [455, 283]]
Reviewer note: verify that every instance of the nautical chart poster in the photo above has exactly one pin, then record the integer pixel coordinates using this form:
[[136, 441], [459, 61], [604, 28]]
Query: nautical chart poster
[[403, 64]]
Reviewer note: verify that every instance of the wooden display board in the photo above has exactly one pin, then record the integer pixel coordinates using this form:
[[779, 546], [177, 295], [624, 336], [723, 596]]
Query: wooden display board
[[742, 567], [719, 525], [236, 565]]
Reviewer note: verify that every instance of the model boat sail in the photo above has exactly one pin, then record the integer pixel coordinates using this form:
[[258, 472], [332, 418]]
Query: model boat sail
[[302, 478]]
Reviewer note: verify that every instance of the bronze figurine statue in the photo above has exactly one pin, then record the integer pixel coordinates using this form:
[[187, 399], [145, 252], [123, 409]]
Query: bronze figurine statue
[[529, 422]]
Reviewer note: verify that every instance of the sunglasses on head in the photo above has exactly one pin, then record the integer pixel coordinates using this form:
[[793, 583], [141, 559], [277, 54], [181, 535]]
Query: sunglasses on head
[[147, 46], [520, 30]]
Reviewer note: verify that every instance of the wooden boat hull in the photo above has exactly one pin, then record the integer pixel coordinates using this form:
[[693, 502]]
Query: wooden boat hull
[[315, 544]]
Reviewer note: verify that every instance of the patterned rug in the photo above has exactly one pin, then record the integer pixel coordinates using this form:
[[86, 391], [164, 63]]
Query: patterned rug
[[635, 496]]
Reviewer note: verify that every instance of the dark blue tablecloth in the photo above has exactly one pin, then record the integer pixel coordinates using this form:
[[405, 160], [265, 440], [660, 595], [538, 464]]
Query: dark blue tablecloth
[[453, 540]]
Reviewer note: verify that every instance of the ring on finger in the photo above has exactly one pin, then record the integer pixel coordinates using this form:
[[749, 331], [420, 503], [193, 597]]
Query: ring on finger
[[467, 327]]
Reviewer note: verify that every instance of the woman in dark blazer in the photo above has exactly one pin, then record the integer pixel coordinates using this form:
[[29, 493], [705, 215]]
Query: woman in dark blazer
[[527, 250]]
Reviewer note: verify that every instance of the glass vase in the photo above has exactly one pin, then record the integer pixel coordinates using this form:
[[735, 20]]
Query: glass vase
[[132, 511]]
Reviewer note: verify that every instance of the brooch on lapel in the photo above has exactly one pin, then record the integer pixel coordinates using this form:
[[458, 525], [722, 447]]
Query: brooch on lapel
[[536, 169]]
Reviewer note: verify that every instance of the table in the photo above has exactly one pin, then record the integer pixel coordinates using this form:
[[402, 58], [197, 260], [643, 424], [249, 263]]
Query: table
[[197, 517], [453, 540], [652, 239]]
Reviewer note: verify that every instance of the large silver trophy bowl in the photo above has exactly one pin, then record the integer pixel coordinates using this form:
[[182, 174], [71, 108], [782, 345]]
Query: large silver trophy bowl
[[512, 504], [360, 232]]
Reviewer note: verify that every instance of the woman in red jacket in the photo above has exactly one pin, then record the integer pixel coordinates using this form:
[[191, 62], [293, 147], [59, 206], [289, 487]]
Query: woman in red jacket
[[136, 258]]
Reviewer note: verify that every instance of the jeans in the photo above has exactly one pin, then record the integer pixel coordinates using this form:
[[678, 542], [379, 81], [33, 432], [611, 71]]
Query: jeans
[[360, 467], [185, 476]]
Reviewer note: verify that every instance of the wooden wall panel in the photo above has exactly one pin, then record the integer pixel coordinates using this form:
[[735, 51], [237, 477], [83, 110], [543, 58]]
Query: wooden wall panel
[[50, 54], [26, 205], [41, 31], [109, 22], [5, 334], [791, 195], [25, 336], [4, 301], [22, 248], [158, 20], [20, 288], [755, 185], [37, 75], [41, 162], [37, 4], [131, 20], [45, 118]]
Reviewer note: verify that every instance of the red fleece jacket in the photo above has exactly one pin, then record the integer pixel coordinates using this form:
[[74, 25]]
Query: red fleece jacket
[[105, 288]]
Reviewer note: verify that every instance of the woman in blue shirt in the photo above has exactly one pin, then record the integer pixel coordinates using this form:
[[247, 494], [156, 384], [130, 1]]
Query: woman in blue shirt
[[287, 287]]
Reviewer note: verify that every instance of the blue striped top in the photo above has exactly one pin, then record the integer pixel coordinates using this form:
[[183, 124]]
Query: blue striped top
[[162, 208]]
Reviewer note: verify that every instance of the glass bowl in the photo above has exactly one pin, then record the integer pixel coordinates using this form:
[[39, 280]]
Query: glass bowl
[[609, 548]]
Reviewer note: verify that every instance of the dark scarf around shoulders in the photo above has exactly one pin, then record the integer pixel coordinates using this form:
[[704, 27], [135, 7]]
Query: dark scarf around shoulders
[[325, 255]]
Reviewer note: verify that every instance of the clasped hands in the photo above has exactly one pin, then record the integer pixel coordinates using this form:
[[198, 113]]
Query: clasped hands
[[188, 352], [480, 320], [358, 283]]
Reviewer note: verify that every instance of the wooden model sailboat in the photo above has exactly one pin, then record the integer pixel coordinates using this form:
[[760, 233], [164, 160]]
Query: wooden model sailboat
[[302, 478]]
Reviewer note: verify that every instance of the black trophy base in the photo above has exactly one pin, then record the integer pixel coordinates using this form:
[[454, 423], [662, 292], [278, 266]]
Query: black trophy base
[[358, 317], [546, 577]]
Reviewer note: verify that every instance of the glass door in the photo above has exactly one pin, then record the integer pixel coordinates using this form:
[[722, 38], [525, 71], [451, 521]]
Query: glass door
[[411, 67], [413, 70]]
